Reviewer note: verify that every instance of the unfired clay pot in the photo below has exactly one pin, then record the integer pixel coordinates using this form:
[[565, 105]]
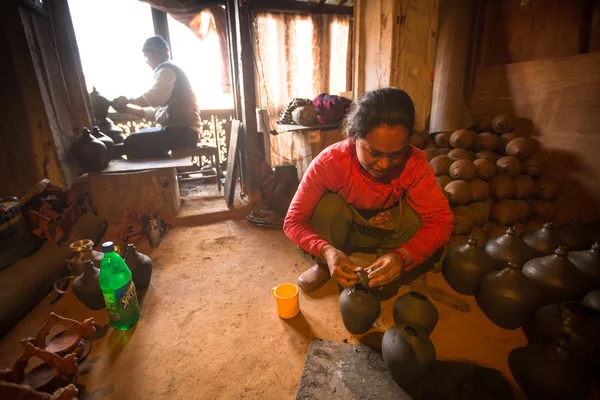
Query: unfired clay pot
[[508, 247], [415, 309], [359, 308], [465, 265], [86, 287]]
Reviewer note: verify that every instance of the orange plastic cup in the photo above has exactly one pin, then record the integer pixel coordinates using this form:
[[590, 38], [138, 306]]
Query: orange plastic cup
[[286, 297]]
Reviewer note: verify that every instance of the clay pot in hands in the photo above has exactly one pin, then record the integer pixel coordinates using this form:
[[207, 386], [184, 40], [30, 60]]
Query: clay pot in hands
[[507, 297], [558, 278], [359, 308], [508, 247], [408, 353], [89, 152], [443, 180], [459, 154], [592, 299], [521, 148], [487, 155], [504, 212], [442, 139], [543, 240], [542, 210], [525, 187], [485, 170], [502, 187], [483, 123], [502, 123], [588, 262], [140, 266], [463, 170], [462, 139], [535, 166], [465, 265], [86, 287], [479, 189], [431, 153], [574, 236], [508, 165], [486, 141], [580, 322], [415, 309], [458, 193], [547, 189], [550, 371], [441, 164]]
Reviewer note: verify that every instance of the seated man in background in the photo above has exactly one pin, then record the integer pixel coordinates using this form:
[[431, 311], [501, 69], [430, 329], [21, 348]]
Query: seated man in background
[[170, 101]]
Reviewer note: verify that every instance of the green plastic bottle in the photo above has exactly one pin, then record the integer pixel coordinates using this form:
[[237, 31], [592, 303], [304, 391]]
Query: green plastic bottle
[[118, 289]]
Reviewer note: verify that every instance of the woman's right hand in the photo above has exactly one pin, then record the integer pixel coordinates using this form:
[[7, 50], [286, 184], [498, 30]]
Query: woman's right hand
[[340, 266]]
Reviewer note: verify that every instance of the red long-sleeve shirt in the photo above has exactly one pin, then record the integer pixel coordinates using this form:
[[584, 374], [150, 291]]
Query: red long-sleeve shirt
[[337, 170]]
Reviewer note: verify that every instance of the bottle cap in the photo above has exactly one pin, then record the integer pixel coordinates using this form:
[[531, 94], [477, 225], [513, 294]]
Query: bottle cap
[[107, 247]]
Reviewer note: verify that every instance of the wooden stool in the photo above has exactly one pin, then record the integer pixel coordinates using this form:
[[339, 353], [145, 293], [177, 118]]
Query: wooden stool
[[202, 149]]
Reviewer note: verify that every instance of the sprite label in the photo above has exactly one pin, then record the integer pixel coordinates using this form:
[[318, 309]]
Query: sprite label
[[121, 302]]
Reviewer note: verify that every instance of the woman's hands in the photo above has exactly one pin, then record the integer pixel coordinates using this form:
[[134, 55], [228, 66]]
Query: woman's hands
[[340, 266], [386, 269]]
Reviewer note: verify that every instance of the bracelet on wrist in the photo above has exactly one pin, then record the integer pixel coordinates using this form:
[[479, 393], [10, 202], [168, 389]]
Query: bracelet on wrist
[[402, 257]]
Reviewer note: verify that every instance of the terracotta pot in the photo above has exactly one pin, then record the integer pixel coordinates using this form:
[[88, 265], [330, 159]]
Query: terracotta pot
[[543, 241], [415, 309], [547, 189], [459, 154], [485, 170], [465, 265], [522, 208], [580, 322], [442, 139], [588, 262], [441, 164], [559, 279], [462, 139], [502, 187], [508, 165], [496, 231], [525, 187], [480, 211], [486, 141], [86, 287], [574, 236], [456, 241], [542, 210], [532, 224], [444, 151], [89, 152], [140, 266], [480, 235], [549, 371], [487, 155], [431, 153], [507, 297], [503, 123], [458, 193], [480, 189], [463, 170], [483, 123], [508, 247], [463, 225], [408, 353], [503, 140], [504, 212], [521, 148], [592, 299], [359, 308], [443, 180], [535, 166]]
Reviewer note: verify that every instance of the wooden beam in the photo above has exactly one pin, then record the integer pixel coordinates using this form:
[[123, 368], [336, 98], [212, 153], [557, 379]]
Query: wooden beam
[[299, 7], [161, 25], [359, 43], [450, 65]]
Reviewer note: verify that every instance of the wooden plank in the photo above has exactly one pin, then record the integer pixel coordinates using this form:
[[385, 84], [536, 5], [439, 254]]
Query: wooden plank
[[415, 33], [306, 128], [359, 45], [561, 97], [450, 65], [299, 7], [232, 162], [145, 163], [540, 29], [595, 28]]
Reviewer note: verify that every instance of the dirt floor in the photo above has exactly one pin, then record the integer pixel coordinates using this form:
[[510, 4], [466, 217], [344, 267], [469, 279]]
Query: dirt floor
[[209, 327]]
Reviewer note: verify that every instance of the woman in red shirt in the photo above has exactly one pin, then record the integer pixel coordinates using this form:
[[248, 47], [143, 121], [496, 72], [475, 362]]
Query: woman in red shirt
[[372, 192]]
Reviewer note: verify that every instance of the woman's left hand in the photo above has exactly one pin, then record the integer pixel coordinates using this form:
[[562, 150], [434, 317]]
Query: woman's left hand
[[385, 269]]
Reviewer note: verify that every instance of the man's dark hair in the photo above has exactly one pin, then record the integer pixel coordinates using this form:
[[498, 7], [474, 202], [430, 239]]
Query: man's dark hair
[[387, 106]]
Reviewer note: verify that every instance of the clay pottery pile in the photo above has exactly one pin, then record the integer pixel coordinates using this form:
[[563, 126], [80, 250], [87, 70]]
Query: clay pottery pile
[[507, 297], [575, 236], [508, 247], [359, 308], [546, 371], [543, 241], [408, 353], [592, 299], [465, 265], [415, 309], [558, 278], [89, 152], [140, 266], [588, 262], [86, 287], [108, 142]]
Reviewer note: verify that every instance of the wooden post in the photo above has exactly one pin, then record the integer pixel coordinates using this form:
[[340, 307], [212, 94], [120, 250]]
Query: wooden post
[[161, 25], [450, 65]]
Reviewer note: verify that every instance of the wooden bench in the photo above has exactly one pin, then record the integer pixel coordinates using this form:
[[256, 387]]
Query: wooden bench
[[202, 149]]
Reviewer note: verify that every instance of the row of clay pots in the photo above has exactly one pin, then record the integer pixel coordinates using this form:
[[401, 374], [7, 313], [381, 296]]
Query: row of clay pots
[[93, 150]]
